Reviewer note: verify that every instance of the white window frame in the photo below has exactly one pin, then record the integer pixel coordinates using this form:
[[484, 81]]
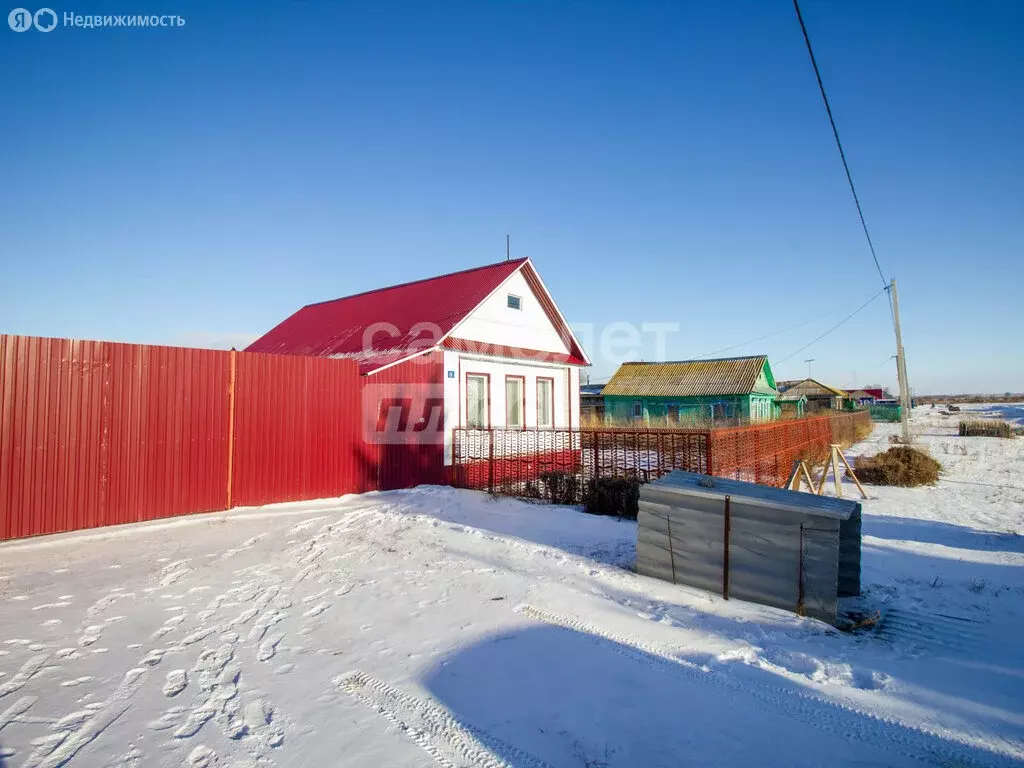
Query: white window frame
[[548, 423], [487, 400], [520, 401]]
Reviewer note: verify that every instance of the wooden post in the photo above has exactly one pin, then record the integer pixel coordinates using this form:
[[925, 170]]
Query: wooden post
[[853, 475], [232, 373], [798, 475], [835, 472], [793, 483]]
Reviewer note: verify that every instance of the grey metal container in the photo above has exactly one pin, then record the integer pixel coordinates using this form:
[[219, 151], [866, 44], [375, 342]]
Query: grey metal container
[[787, 549]]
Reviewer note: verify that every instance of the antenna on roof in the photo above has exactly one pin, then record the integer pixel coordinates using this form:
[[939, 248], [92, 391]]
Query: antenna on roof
[[508, 247]]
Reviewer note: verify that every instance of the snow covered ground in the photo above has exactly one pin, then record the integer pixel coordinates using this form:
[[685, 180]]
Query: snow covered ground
[[442, 627]]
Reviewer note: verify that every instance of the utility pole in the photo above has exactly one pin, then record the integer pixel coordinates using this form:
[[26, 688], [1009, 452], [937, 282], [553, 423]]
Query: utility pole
[[901, 364], [508, 247], [809, 361]]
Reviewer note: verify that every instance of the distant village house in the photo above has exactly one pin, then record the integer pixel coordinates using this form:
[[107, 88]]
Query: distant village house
[[692, 391], [820, 397]]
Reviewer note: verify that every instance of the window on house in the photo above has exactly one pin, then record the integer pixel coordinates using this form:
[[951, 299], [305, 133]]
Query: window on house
[[514, 402], [673, 413], [515, 302], [545, 402], [477, 401], [638, 410]]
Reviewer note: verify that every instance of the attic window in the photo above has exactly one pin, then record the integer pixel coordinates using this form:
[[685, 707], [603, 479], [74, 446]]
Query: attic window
[[514, 302]]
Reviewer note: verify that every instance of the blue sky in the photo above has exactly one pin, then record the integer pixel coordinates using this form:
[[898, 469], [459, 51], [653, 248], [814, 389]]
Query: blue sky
[[660, 161]]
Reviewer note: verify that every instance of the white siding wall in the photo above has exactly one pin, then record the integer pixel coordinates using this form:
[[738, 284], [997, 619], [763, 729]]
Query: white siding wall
[[494, 323], [566, 393], [452, 390]]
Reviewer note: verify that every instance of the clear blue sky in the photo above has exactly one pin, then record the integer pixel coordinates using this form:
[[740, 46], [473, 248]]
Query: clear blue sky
[[660, 161]]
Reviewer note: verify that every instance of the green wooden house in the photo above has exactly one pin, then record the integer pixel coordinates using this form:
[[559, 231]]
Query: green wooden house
[[692, 391]]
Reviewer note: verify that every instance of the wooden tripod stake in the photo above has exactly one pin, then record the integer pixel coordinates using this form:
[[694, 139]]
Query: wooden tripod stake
[[833, 462], [797, 475]]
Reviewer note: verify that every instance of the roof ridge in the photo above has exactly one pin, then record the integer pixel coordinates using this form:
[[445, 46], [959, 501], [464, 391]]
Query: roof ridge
[[521, 260], [696, 360]]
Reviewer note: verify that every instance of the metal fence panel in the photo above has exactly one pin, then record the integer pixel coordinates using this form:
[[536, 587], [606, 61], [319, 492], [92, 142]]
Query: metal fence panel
[[297, 430], [96, 433], [403, 459]]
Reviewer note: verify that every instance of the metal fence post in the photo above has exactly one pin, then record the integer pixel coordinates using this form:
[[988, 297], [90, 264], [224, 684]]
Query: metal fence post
[[708, 456], [232, 377], [490, 462]]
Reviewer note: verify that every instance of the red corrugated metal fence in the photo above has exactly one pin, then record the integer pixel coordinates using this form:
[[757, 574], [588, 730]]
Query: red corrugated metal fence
[[97, 433], [297, 431], [399, 461]]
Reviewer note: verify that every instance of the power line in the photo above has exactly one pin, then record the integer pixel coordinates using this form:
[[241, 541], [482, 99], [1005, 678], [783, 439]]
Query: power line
[[839, 144], [766, 336], [826, 333], [605, 379]]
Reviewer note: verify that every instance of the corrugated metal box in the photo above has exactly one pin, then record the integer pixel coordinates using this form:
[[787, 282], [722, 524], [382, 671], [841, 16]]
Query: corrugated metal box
[[790, 550]]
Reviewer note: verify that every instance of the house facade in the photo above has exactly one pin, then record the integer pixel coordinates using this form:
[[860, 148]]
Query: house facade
[[481, 349], [866, 395], [591, 404], [791, 406], [692, 391], [820, 397]]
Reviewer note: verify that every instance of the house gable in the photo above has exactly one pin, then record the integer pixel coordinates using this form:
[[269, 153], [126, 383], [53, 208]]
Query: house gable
[[765, 383], [528, 327]]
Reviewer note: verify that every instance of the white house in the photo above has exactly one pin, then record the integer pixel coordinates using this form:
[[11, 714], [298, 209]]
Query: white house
[[489, 342]]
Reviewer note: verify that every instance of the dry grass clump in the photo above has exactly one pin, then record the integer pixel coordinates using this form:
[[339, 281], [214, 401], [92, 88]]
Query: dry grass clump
[[901, 465], [862, 430]]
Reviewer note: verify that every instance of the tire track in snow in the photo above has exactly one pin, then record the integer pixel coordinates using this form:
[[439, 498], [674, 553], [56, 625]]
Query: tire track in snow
[[433, 729], [823, 714]]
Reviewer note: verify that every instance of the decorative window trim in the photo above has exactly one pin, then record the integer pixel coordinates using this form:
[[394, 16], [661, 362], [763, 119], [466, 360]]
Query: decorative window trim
[[487, 398], [522, 401], [551, 401]]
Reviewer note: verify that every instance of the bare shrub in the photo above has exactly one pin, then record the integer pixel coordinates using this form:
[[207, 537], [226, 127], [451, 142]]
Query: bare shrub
[[901, 465], [614, 496], [977, 586]]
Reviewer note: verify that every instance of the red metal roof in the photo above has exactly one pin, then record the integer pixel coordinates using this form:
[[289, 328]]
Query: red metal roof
[[381, 327], [878, 394]]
